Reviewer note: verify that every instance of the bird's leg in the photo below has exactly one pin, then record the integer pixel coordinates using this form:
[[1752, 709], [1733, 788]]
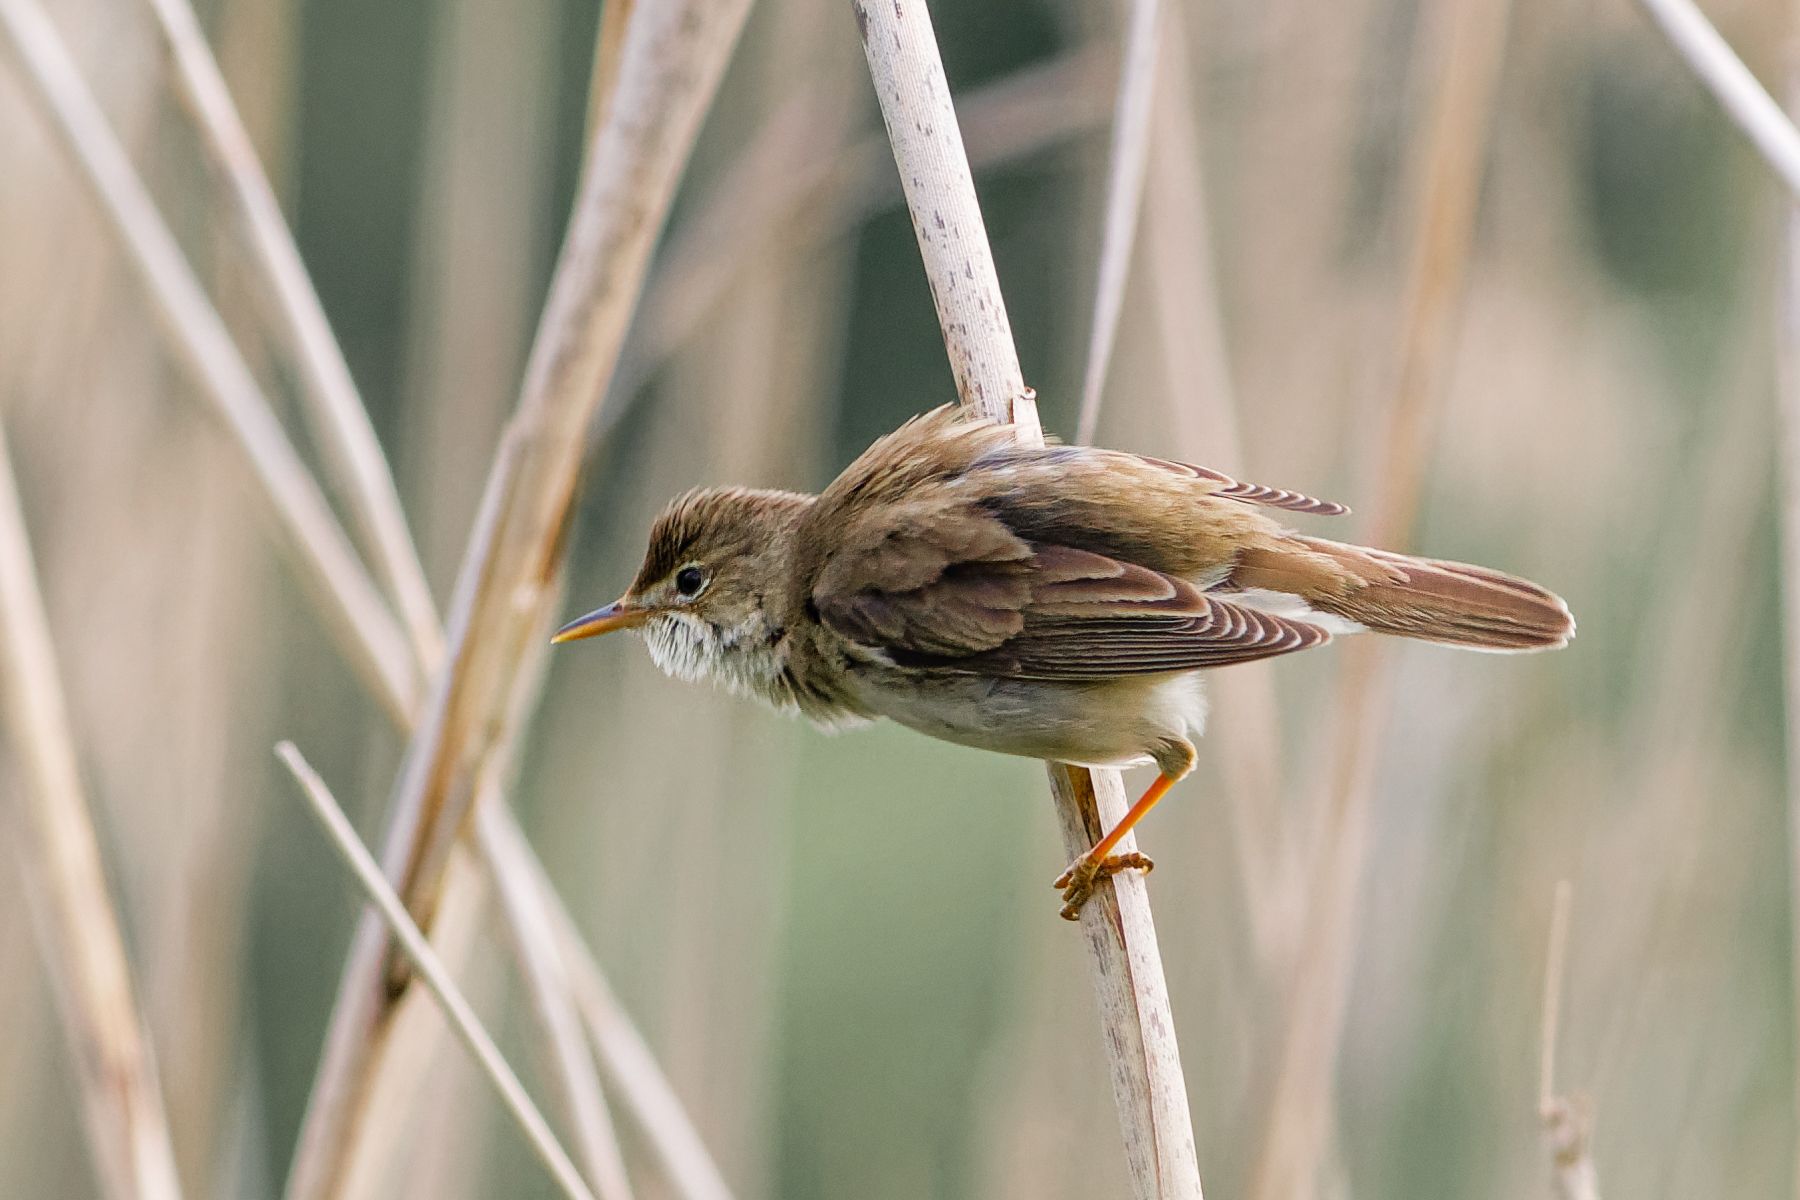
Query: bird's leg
[[1077, 883]]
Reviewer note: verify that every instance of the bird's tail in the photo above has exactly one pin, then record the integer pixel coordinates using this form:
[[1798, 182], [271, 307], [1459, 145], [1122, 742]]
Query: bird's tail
[[1449, 602]]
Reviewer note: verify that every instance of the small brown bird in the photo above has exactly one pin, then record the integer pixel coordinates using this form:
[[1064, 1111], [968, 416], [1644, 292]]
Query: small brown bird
[[1056, 602]]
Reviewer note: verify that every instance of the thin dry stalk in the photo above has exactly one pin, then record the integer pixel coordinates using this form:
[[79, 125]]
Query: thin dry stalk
[[1744, 99], [540, 958], [193, 323], [1299, 1116], [1132, 120], [671, 60], [323, 557], [456, 1007], [636, 1077], [940, 195], [342, 422], [333, 405], [198, 333], [78, 932], [1567, 1123]]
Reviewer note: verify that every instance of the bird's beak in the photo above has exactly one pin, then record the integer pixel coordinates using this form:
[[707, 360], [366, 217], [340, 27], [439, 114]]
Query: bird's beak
[[617, 615]]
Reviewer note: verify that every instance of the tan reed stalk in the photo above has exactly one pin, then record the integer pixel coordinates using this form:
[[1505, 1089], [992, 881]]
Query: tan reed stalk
[[78, 932], [1298, 1123], [365, 627], [671, 60], [1567, 1123], [1133, 115], [365, 630], [456, 1007], [1127, 967], [338, 417], [322, 556]]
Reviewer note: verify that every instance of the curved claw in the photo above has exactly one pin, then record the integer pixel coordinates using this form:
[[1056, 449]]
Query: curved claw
[[1084, 874]]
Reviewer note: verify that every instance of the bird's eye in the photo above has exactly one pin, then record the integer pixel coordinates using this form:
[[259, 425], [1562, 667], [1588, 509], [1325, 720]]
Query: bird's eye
[[688, 580]]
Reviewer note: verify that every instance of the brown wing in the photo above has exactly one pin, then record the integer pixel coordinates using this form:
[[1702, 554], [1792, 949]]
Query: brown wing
[[990, 604], [931, 579], [1254, 493]]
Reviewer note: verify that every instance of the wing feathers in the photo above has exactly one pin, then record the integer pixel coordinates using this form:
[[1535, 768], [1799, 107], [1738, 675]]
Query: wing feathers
[[1255, 493], [1067, 614]]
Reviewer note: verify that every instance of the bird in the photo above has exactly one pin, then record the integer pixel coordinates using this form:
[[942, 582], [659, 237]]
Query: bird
[[1059, 602]]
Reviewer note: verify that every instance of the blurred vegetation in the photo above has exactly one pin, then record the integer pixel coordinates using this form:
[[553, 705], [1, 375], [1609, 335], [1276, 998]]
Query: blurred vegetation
[[844, 950]]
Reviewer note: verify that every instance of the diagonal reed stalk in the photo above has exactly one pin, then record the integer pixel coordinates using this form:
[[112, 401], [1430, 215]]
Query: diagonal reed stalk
[[1744, 100], [363, 628], [340, 421], [1127, 967], [1298, 1124], [320, 552], [53, 838], [670, 60], [456, 1007]]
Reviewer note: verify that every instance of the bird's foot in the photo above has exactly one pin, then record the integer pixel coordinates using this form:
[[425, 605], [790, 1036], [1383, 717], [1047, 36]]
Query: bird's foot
[[1077, 883]]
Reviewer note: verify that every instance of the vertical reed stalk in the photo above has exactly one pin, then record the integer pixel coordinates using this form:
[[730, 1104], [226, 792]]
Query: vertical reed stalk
[[53, 835], [1566, 1120], [1127, 967]]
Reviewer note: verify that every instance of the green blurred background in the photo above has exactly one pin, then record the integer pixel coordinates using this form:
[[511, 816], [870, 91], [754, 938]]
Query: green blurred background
[[844, 950]]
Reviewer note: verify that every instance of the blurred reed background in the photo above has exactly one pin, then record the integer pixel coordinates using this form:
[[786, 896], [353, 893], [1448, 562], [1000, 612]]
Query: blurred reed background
[[844, 951]]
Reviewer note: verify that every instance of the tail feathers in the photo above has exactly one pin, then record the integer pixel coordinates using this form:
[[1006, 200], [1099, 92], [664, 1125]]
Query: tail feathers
[[1453, 603]]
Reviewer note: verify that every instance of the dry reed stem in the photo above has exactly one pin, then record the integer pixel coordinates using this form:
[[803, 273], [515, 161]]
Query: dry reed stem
[[1745, 100], [342, 422], [365, 629], [541, 961], [456, 1007], [1299, 1115], [323, 557], [1567, 1123], [78, 932], [1132, 121], [637, 1078], [940, 194], [339, 419], [1787, 378], [671, 60]]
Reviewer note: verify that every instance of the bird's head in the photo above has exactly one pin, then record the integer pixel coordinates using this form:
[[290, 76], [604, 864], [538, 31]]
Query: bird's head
[[710, 592]]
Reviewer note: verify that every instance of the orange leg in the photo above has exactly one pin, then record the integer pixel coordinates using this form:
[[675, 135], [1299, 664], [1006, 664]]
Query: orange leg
[[1077, 883]]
